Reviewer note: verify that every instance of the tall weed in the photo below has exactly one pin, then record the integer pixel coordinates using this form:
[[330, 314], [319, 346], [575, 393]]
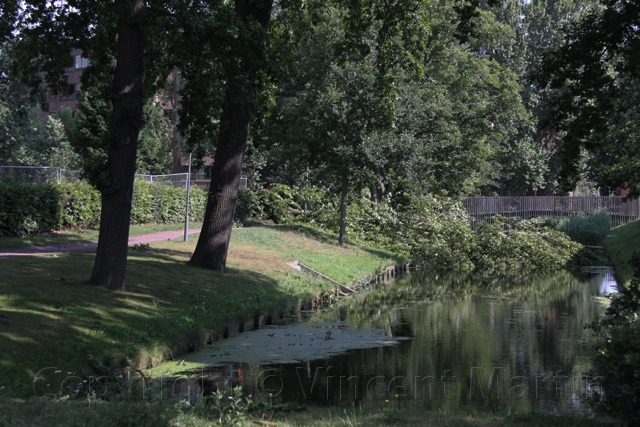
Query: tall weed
[[587, 229]]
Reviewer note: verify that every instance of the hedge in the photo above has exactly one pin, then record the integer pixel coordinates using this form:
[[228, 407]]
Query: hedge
[[28, 208]]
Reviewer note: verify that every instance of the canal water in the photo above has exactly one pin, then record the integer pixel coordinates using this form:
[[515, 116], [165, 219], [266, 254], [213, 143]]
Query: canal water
[[433, 341]]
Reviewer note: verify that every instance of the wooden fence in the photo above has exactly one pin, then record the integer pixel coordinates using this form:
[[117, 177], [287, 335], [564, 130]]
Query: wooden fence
[[484, 208]]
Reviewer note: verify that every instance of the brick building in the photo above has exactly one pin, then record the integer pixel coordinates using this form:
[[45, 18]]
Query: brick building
[[67, 98]]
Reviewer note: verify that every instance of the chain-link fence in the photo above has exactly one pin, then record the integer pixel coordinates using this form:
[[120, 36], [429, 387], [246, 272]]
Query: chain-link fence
[[55, 174], [173, 179], [39, 174]]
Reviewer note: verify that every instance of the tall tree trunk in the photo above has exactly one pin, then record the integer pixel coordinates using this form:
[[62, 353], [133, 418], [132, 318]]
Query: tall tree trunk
[[176, 138], [342, 237], [213, 243], [111, 259]]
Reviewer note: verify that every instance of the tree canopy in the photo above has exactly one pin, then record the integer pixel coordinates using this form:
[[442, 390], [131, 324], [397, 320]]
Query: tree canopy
[[594, 78], [392, 99]]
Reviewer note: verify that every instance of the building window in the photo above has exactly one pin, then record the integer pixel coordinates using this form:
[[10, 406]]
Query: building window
[[81, 62], [68, 91]]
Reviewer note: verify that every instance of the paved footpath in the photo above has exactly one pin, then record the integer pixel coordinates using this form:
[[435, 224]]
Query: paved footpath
[[82, 246]]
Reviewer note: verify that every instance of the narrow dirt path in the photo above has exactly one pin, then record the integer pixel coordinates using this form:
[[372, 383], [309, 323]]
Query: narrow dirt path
[[82, 246]]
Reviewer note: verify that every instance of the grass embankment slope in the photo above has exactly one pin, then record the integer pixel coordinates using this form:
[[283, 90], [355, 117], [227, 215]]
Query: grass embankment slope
[[50, 317], [620, 244]]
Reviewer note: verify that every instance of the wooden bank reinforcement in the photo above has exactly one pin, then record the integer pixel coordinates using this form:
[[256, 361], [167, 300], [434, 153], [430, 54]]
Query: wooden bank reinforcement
[[295, 312]]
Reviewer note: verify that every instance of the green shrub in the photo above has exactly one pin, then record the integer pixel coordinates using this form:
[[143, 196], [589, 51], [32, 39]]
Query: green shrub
[[497, 249], [617, 362], [142, 206], [39, 208], [319, 207], [587, 229], [165, 204], [278, 204], [248, 205], [377, 224], [437, 234], [80, 205], [539, 223], [284, 205], [27, 208]]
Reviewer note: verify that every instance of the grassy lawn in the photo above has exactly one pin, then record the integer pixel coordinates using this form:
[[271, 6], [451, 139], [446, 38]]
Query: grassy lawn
[[50, 317], [331, 416], [624, 240], [317, 250], [41, 412]]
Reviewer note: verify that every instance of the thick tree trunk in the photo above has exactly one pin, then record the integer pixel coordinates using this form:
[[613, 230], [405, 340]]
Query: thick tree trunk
[[342, 237], [111, 259], [213, 244]]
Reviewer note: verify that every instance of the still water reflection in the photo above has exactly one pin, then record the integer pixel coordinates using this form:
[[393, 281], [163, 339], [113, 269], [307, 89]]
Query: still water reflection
[[499, 344]]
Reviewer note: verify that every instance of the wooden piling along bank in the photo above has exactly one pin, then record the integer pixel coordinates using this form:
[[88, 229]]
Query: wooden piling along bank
[[296, 312]]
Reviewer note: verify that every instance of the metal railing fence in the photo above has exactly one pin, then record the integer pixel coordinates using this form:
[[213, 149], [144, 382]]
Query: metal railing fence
[[620, 211]]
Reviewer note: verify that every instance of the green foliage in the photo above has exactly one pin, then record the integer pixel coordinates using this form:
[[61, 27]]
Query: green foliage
[[27, 208], [593, 81], [163, 203], [587, 229], [15, 108], [498, 249], [432, 232], [248, 205], [538, 223], [437, 233], [278, 203], [38, 208], [286, 205], [618, 360], [154, 141], [49, 146], [80, 204], [229, 405], [91, 135]]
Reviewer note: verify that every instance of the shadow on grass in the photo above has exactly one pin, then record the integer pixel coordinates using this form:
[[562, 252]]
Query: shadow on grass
[[53, 318], [47, 239]]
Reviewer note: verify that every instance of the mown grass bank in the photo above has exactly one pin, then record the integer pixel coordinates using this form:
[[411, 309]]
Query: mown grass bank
[[620, 244], [49, 317]]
